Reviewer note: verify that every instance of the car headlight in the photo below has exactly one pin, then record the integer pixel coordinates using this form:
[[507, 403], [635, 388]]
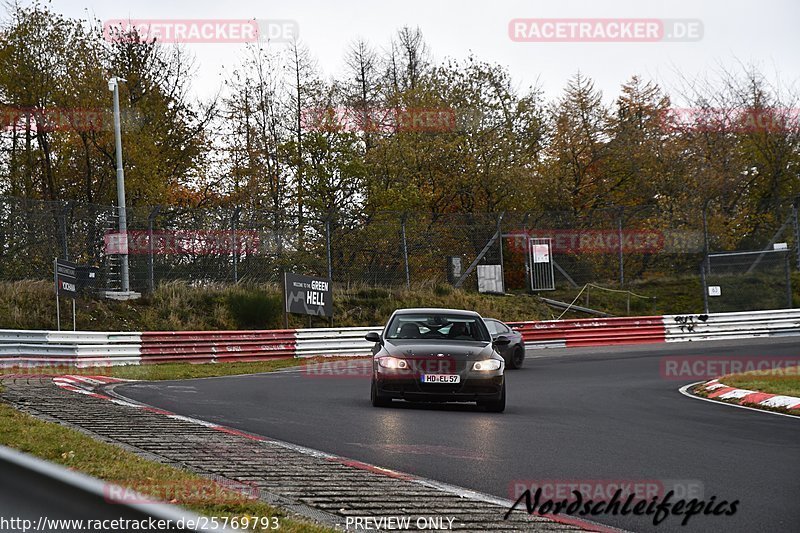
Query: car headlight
[[487, 365], [393, 363]]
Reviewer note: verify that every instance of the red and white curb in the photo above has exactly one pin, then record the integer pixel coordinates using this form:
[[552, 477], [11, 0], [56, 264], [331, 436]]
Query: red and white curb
[[747, 399], [88, 384], [744, 396]]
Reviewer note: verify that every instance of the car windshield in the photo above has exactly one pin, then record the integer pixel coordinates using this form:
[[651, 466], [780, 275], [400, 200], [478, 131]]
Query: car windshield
[[437, 326]]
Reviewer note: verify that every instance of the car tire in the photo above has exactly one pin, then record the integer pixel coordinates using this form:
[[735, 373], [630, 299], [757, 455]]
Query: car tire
[[376, 399], [517, 358], [496, 406]]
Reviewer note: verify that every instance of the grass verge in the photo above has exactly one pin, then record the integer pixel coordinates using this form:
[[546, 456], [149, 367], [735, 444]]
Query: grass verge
[[72, 449], [109, 463], [785, 381], [170, 371]]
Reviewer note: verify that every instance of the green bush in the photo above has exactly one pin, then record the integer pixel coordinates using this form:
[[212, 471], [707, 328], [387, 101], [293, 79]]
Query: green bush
[[372, 293], [442, 290], [255, 309]]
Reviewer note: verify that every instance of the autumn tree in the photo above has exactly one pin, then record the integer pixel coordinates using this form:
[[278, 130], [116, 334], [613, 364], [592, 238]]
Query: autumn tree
[[575, 176]]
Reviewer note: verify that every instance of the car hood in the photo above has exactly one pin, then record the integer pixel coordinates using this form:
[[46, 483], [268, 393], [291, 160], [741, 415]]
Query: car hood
[[424, 348]]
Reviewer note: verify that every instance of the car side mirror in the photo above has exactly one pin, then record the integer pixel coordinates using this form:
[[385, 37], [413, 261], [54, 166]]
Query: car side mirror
[[373, 337], [502, 340]]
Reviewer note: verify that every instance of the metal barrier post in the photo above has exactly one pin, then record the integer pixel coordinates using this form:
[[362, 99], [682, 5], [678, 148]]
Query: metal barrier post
[[328, 246], [621, 258], [150, 277], [788, 271], [405, 251], [704, 284], [500, 242], [796, 230], [234, 219], [63, 223]]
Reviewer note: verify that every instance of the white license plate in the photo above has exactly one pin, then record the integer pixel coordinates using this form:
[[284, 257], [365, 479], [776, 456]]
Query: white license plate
[[441, 378]]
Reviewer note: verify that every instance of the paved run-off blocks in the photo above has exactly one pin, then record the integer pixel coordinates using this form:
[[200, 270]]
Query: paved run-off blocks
[[312, 484]]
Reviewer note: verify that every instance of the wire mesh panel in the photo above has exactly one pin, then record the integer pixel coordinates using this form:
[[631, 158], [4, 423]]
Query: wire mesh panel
[[230, 244], [540, 261], [748, 281]]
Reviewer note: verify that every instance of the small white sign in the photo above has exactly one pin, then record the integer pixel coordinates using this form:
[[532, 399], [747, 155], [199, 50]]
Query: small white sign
[[780, 246], [714, 290], [490, 279], [541, 253]]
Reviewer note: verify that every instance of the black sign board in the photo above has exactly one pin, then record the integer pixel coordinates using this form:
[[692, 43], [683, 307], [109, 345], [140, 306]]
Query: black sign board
[[73, 279], [306, 295], [66, 278], [86, 277]]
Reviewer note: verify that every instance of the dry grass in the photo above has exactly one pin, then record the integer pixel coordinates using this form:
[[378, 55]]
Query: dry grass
[[177, 306], [784, 381]]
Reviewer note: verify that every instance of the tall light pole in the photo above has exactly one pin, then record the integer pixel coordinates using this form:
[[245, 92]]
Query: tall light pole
[[113, 86]]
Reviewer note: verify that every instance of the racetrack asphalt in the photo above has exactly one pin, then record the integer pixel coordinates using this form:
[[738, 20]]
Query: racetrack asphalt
[[596, 415]]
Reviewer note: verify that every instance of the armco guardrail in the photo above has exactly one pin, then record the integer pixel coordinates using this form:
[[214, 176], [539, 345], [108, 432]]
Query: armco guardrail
[[78, 348], [212, 346], [20, 347], [343, 341], [31, 489], [772, 323], [591, 331]]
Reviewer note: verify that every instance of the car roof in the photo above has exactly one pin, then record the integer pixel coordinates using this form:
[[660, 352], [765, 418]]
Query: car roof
[[434, 310]]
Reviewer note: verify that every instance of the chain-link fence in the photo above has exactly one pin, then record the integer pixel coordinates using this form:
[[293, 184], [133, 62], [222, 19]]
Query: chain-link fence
[[614, 247], [748, 281]]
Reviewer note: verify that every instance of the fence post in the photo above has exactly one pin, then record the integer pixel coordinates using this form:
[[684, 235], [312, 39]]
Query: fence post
[[796, 230], [234, 220], [703, 282], [328, 245], [62, 219], [150, 276], [788, 271], [500, 241], [619, 245], [707, 260], [526, 254], [405, 250]]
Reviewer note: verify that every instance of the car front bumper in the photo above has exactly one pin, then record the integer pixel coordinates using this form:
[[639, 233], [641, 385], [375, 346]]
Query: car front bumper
[[471, 388]]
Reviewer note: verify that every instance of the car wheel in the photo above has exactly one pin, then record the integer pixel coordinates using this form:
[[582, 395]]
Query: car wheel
[[517, 357], [496, 406], [376, 399]]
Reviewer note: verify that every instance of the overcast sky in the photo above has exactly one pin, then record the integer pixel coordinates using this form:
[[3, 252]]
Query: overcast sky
[[763, 32]]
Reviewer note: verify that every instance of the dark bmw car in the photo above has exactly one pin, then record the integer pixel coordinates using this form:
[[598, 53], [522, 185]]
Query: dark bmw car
[[438, 355], [514, 351]]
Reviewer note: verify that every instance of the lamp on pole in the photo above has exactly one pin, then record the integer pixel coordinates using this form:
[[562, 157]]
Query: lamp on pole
[[113, 86]]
